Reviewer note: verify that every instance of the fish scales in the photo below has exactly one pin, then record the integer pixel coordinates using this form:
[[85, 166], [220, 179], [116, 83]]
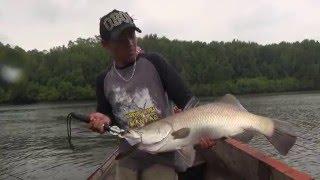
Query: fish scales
[[224, 118]]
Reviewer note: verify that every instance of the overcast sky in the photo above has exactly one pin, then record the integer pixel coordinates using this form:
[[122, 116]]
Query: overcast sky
[[43, 24]]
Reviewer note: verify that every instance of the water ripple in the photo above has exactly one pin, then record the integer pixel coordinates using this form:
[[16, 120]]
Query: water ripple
[[34, 146]]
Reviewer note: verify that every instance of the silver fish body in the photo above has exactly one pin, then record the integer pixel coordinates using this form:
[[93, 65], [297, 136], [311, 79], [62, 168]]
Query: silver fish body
[[224, 118]]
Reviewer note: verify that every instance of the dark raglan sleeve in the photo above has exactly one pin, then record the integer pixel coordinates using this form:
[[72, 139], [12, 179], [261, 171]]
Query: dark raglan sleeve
[[103, 106], [173, 84]]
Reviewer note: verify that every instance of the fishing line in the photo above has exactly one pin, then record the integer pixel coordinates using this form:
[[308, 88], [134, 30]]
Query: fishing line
[[69, 118]]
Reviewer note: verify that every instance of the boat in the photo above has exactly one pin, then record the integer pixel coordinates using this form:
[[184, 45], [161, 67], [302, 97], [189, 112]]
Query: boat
[[230, 159]]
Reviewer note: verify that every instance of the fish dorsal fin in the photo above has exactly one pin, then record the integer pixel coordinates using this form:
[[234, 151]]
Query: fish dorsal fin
[[231, 99], [181, 133]]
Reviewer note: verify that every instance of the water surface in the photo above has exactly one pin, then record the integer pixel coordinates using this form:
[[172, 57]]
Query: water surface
[[34, 146]]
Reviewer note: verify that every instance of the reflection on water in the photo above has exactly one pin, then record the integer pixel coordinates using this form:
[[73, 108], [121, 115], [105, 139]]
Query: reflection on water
[[34, 145]]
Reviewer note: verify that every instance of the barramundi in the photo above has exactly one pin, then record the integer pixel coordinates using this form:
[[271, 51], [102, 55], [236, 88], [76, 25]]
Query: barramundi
[[225, 118]]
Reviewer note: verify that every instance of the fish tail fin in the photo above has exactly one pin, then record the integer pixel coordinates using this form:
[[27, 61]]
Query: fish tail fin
[[282, 137]]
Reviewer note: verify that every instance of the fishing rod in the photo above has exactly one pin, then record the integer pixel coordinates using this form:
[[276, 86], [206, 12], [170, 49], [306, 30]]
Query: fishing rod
[[113, 130]]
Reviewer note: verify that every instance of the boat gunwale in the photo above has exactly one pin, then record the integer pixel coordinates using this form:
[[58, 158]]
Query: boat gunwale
[[268, 160], [240, 146]]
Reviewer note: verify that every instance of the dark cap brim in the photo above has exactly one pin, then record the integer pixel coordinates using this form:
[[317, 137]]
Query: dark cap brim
[[116, 32]]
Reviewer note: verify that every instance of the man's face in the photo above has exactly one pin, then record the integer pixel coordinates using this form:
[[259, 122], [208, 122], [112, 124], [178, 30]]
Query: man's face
[[125, 46]]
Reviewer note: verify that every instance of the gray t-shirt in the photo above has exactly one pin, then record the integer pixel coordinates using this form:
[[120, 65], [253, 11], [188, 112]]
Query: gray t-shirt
[[145, 97]]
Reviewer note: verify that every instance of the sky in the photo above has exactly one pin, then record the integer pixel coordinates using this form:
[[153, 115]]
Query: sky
[[43, 24]]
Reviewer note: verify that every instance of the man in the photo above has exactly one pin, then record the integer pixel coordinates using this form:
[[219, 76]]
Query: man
[[136, 89]]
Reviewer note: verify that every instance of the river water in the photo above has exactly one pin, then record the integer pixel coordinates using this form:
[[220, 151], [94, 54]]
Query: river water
[[34, 146]]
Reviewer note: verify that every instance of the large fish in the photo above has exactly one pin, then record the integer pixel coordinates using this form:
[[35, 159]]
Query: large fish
[[222, 119]]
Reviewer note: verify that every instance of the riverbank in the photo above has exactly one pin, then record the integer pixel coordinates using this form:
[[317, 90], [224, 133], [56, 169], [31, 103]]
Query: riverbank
[[93, 101]]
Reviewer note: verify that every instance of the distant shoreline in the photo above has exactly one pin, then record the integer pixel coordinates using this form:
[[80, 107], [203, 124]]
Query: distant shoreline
[[282, 93], [93, 101], [265, 94]]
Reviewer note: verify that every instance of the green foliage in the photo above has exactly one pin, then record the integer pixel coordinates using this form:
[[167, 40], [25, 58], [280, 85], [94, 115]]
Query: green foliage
[[47, 94], [215, 68], [3, 95], [250, 85]]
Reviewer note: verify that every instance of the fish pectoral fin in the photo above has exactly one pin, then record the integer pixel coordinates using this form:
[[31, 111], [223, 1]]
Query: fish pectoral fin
[[231, 99], [184, 158], [181, 133]]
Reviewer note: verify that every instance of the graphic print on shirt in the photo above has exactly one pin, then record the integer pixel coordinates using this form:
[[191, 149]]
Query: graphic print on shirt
[[136, 108]]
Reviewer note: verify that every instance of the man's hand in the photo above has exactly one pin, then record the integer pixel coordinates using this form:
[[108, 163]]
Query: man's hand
[[98, 121], [206, 143], [176, 110]]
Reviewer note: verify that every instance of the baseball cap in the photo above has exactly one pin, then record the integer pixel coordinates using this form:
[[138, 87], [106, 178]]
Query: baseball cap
[[112, 24]]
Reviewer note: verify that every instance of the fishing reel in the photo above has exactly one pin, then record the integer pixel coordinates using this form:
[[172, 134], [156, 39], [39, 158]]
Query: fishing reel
[[113, 130]]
